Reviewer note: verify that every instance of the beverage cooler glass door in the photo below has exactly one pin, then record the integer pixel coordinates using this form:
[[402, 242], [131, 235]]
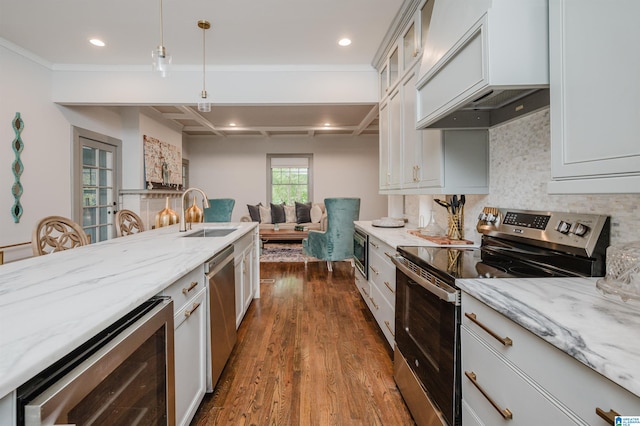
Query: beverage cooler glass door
[[128, 381]]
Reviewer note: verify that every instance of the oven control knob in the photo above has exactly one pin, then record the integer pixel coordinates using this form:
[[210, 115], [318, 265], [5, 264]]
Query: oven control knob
[[580, 230], [482, 216], [491, 218], [563, 227]]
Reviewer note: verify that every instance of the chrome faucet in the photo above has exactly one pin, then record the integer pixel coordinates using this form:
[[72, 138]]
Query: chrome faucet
[[205, 204]]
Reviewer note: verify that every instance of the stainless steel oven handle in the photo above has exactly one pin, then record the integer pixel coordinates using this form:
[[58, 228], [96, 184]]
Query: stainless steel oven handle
[[443, 292]]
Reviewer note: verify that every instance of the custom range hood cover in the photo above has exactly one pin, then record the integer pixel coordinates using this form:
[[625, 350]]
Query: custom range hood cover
[[484, 63]]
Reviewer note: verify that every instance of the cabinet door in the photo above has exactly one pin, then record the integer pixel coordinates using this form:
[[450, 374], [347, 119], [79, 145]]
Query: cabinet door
[[385, 176], [247, 282], [395, 139], [190, 357], [239, 277], [594, 68], [431, 173], [411, 137]]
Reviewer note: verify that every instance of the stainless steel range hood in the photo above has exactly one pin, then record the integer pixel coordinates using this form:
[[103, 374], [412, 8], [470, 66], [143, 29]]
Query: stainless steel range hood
[[485, 66], [493, 108]]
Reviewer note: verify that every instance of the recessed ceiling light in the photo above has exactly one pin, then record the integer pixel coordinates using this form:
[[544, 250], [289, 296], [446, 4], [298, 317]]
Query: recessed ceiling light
[[97, 42], [232, 124], [344, 42], [327, 124]]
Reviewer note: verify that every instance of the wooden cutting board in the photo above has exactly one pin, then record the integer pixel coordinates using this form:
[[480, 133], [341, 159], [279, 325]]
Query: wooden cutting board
[[443, 241]]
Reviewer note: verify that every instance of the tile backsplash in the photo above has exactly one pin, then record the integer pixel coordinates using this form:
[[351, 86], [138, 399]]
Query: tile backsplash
[[520, 168]]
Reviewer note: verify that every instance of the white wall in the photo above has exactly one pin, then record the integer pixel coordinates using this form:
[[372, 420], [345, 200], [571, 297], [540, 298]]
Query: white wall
[[520, 168], [25, 87], [343, 166]]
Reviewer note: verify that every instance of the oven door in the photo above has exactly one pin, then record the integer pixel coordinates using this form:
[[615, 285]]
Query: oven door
[[360, 255], [128, 380], [427, 337]]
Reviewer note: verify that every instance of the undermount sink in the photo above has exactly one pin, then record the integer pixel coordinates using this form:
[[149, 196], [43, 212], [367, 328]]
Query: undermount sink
[[211, 232]]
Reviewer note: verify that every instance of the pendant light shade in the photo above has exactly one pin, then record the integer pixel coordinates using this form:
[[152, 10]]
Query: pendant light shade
[[161, 60], [203, 102]]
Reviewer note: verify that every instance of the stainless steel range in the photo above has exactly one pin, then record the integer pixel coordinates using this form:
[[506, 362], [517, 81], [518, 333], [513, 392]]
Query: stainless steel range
[[515, 243]]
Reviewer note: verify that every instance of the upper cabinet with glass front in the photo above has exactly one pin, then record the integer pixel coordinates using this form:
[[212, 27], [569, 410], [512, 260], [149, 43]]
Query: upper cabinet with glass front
[[405, 45]]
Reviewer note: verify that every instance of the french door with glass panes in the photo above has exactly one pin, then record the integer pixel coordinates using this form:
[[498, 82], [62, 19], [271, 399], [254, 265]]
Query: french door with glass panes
[[98, 188]]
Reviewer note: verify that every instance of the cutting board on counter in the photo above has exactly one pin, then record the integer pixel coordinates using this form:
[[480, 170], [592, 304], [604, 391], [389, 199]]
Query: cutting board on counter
[[443, 241]]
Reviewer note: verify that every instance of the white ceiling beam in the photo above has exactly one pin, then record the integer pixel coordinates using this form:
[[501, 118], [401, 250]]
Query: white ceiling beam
[[367, 120], [200, 119]]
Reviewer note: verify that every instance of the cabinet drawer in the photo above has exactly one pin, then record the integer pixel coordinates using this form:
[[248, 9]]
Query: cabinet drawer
[[578, 387], [383, 274], [363, 287], [508, 388], [378, 247], [383, 312], [185, 288]]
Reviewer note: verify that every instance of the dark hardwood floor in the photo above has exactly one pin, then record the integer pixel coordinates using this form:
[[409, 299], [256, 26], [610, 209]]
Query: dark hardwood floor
[[308, 353]]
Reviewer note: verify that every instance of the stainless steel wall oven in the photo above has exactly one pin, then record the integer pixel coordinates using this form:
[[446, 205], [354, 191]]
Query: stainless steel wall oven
[[124, 375], [361, 252], [515, 244]]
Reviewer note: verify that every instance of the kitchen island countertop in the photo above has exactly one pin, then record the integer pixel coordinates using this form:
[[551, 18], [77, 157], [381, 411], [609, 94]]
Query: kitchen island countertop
[[49, 305], [572, 315]]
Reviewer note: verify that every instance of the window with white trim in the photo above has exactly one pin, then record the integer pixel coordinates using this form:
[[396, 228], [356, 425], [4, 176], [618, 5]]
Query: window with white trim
[[289, 178]]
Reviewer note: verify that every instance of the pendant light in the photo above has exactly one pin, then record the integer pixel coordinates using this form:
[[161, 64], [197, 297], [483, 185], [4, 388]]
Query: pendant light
[[203, 103], [161, 59]]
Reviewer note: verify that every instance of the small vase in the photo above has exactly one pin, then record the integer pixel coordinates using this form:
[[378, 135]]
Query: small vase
[[432, 229], [194, 213], [166, 217]]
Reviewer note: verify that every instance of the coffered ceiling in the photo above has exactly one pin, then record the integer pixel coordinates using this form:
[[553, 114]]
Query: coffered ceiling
[[244, 33]]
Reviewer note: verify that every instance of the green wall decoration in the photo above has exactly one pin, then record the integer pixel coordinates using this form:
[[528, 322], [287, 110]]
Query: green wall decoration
[[17, 167]]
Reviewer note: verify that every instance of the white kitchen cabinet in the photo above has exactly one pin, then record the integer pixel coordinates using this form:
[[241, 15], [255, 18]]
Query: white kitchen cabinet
[[246, 273], [190, 340], [390, 141], [595, 117], [8, 409], [379, 291], [561, 382]]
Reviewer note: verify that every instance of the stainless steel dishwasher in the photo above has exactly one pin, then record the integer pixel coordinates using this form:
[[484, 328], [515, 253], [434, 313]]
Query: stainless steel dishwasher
[[221, 284]]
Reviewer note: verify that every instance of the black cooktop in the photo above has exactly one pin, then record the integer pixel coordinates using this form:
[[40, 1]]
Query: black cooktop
[[461, 263]]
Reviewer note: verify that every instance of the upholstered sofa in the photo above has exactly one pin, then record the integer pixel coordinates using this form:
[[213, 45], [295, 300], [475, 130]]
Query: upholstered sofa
[[316, 219]]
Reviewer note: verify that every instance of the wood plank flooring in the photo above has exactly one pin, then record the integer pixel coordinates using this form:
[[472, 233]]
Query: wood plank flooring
[[308, 353]]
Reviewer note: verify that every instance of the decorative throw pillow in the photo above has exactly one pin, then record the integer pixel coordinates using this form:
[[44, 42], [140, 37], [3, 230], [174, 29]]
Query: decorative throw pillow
[[303, 212], [277, 213], [265, 214], [290, 214], [254, 212], [315, 213]]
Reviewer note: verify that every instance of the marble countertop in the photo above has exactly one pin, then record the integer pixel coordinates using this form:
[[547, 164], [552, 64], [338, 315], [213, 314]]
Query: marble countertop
[[399, 236], [51, 304], [572, 315]]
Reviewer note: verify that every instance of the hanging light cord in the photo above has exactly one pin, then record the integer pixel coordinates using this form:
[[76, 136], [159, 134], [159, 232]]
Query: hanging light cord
[[161, 26], [204, 30]]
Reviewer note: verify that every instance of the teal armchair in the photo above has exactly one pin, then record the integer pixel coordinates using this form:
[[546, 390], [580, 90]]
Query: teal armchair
[[219, 210], [336, 243]]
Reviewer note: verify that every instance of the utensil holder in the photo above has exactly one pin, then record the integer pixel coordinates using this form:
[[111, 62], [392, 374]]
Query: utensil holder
[[455, 229]]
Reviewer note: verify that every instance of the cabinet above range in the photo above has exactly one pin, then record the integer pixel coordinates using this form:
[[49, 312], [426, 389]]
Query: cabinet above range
[[484, 63], [414, 161]]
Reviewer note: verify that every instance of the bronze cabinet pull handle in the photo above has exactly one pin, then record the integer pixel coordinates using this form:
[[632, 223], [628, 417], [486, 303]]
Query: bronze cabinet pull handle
[[608, 416], [193, 285], [389, 328], [505, 413], [375, 271], [506, 341], [389, 286], [192, 310]]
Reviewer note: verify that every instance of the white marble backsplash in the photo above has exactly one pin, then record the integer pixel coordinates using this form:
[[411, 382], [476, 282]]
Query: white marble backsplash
[[520, 168]]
